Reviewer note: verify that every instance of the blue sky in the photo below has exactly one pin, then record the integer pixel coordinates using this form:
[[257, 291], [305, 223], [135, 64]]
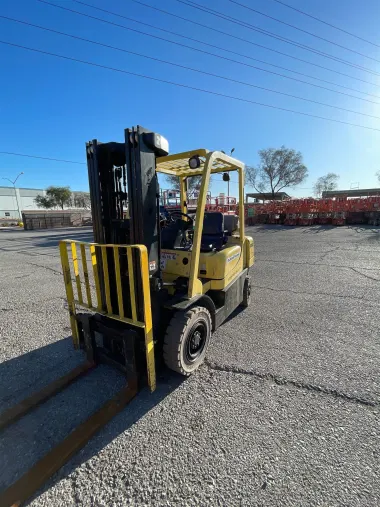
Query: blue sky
[[51, 107]]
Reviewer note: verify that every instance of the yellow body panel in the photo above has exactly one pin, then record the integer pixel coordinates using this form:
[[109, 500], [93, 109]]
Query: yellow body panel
[[212, 265], [218, 268]]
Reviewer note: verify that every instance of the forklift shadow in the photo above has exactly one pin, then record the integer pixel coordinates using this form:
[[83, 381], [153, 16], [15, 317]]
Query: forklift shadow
[[23, 375], [47, 425], [234, 314], [141, 405]]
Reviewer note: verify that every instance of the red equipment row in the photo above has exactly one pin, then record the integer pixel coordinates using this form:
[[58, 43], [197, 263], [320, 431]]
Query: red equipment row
[[315, 211]]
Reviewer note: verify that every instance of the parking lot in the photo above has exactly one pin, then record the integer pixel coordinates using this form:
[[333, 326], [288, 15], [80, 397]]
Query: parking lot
[[284, 412]]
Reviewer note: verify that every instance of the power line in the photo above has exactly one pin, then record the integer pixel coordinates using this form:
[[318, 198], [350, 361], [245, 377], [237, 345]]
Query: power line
[[292, 42], [301, 29], [229, 35], [234, 52], [203, 51], [326, 23], [36, 156], [189, 87], [236, 21], [141, 55], [227, 17]]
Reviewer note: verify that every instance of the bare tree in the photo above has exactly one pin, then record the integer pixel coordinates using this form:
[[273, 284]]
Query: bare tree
[[278, 168], [193, 182], [81, 200], [326, 183], [378, 175]]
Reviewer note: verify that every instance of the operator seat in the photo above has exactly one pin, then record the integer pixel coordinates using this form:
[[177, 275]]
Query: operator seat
[[213, 233]]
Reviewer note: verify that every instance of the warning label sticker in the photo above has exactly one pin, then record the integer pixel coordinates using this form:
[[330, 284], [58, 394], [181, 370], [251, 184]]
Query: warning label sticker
[[165, 257], [168, 256]]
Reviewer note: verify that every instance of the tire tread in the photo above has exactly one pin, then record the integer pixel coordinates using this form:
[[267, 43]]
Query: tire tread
[[177, 328]]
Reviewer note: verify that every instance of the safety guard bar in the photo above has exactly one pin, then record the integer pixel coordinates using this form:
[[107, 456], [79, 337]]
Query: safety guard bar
[[101, 269]]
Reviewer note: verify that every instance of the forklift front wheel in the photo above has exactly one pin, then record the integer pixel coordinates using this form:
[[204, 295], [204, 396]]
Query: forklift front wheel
[[187, 339]]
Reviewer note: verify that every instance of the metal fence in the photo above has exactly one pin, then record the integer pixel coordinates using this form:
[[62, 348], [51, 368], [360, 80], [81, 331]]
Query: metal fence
[[45, 220]]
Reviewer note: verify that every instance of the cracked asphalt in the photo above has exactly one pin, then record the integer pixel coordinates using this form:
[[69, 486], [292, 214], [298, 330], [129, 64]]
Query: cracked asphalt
[[285, 412]]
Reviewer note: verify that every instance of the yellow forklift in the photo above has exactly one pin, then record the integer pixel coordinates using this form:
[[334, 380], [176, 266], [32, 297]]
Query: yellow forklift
[[147, 291]]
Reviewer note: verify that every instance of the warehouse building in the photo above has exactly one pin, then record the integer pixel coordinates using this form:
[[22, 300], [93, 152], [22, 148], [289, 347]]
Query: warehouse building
[[14, 200]]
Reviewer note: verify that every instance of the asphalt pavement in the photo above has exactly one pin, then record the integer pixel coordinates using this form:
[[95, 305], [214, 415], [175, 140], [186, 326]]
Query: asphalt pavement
[[285, 412]]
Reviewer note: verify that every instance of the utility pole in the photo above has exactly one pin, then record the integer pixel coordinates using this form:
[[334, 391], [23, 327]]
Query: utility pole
[[14, 187]]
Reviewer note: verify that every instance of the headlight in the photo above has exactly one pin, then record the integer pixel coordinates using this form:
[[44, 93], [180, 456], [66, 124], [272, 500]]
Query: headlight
[[194, 162]]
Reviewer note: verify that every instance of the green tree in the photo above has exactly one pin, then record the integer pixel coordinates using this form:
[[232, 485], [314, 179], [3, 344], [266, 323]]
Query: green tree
[[43, 202], [56, 197], [278, 168], [326, 183]]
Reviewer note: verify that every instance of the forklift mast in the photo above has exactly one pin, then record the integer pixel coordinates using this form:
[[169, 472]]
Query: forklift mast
[[143, 193], [125, 196]]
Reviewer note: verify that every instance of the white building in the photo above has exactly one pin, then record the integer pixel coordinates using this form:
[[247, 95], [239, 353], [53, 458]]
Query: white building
[[14, 199], [22, 199]]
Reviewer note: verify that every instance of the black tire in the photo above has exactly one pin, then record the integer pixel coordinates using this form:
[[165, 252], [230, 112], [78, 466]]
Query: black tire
[[186, 340], [246, 293]]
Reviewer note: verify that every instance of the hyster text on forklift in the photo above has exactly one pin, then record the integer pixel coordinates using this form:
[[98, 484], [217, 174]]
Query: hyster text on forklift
[[149, 289]]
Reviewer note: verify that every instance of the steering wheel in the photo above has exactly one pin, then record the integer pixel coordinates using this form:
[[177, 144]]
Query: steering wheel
[[172, 214]]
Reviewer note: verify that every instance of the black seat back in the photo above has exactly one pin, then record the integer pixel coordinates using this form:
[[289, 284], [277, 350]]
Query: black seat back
[[213, 237], [231, 223]]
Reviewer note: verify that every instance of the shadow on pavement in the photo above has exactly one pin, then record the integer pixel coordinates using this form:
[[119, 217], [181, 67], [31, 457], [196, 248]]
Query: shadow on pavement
[[24, 375], [236, 312], [30, 240], [54, 241], [310, 229], [365, 228], [27, 440], [315, 229], [259, 228], [265, 228]]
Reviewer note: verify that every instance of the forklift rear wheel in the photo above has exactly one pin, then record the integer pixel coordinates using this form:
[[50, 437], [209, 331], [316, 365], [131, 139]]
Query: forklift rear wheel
[[246, 293], [187, 339]]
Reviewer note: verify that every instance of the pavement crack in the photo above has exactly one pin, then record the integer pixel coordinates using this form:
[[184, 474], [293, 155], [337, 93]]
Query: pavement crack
[[314, 264], [365, 276], [56, 271], [23, 276], [346, 296], [29, 306], [325, 254], [282, 381]]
